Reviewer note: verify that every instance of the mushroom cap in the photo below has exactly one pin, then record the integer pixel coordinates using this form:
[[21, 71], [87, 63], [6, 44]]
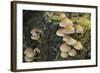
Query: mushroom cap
[[34, 37], [78, 29], [64, 55], [29, 52], [65, 48], [37, 50], [78, 46], [65, 22], [69, 40], [34, 33], [28, 59], [69, 29], [60, 32], [72, 53], [35, 30]]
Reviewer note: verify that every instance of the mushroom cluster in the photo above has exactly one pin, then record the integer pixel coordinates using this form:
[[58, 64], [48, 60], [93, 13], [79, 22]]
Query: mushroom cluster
[[35, 33], [70, 46], [30, 54]]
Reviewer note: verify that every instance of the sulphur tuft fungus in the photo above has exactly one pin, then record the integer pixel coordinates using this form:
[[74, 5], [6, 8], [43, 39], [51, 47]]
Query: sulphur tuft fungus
[[72, 53], [67, 28], [64, 54], [65, 48], [69, 40], [78, 46]]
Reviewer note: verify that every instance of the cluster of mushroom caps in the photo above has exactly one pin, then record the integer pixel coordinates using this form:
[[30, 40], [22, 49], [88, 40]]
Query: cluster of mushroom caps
[[70, 45], [30, 53], [36, 33]]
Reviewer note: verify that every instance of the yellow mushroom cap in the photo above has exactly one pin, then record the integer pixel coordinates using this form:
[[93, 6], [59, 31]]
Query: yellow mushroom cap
[[65, 22], [69, 29], [64, 55], [65, 48], [28, 59], [78, 29], [78, 46], [69, 40], [60, 32], [29, 52], [72, 53]]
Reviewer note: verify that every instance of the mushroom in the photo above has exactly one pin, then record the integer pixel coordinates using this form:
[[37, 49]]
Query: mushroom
[[69, 29], [78, 46], [78, 28], [29, 52], [72, 53], [65, 22], [60, 32], [65, 48], [35, 33], [37, 50], [64, 54], [27, 59], [69, 40]]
